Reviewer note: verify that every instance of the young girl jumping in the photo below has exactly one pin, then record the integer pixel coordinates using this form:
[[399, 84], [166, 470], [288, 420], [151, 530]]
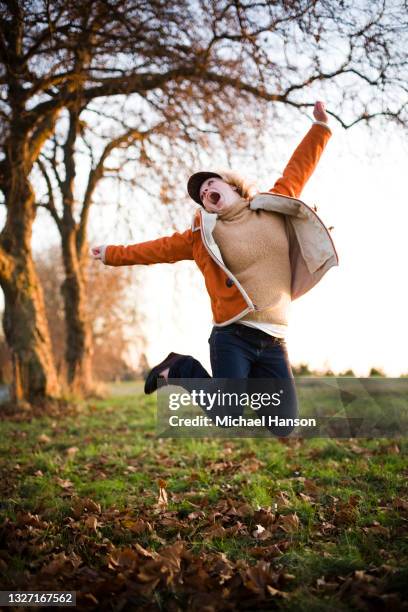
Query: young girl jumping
[[258, 251]]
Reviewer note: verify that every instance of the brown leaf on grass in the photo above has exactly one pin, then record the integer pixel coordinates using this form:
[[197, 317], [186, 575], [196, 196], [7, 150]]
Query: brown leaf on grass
[[221, 567], [244, 510], [354, 500], [345, 516], [145, 553], [64, 483], [126, 558], [84, 505], [215, 531], [357, 450], [180, 497], [282, 500], [193, 477], [377, 529], [251, 465], [258, 578], [363, 576], [170, 521], [61, 564], [90, 598], [307, 498], [264, 517], [91, 522], [276, 592], [162, 501], [400, 504], [131, 469], [137, 526], [326, 586], [390, 449], [237, 529], [221, 466], [291, 442], [26, 518], [198, 514], [72, 451], [266, 552], [172, 555], [286, 578], [260, 533], [165, 568], [227, 512], [327, 527], [289, 522], [44, 439], [311, 487], [346, 512]]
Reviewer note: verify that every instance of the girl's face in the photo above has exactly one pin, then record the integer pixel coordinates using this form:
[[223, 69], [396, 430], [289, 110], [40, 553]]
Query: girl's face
[[217, 195]]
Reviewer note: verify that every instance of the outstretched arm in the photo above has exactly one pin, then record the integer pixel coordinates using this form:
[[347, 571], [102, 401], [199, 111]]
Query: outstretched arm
[[306, 156], [163, 250]]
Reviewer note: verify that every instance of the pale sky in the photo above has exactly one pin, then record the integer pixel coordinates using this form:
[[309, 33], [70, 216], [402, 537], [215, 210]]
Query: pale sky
[[357, 315]]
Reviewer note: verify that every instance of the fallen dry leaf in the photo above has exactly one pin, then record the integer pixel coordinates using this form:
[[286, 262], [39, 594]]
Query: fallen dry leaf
[[162, 501], [258, 577], [275, 592], [400, 503], [311, 487], [282, 500], [377, 529], [91, 523], [62, 564], [65, 484], [265, 517], [266, 552], [137, 526], [289, 522], [44, 438], [84, 505], [259, 529]]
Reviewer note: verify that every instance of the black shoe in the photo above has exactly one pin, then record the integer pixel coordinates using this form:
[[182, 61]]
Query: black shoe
[[154, 374]]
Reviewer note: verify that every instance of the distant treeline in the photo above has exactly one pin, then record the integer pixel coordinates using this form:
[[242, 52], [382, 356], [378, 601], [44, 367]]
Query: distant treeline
[[303, 370]]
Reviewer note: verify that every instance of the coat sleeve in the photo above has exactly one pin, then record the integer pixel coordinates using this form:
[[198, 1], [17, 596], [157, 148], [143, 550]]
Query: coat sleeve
[[163, 250], [303, 162]]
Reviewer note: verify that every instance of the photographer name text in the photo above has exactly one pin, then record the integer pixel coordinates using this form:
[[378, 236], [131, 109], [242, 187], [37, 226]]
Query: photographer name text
[[240, 421]]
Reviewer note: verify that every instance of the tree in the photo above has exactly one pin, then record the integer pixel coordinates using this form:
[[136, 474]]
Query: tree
[[112, 318], [60, 178], [182, 62], [376, 372], [302, 369]]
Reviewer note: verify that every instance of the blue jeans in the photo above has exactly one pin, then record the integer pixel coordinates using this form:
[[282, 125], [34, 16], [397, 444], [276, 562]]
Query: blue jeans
[[241, 352]]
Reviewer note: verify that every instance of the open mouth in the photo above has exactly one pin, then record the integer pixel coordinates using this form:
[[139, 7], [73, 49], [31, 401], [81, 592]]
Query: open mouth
[[214, 197]]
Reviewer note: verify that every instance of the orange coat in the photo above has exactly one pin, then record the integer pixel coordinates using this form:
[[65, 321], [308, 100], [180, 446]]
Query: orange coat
[[311, 250]]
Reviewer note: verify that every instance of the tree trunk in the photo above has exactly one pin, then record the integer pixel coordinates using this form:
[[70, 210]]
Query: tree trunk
[[26, 332], [78, 332], [25, 323]]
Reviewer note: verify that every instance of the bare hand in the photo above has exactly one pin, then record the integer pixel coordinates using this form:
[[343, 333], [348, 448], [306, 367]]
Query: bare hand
[[97, 252], [319, 112]]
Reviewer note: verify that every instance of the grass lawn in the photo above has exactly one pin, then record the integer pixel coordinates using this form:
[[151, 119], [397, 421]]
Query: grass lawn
[[93, 502]]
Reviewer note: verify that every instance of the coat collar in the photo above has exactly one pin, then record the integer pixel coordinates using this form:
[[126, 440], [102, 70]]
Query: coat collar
[[261, 201], [312, 249]]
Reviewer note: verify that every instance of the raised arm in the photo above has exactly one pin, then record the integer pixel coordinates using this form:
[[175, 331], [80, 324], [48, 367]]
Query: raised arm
[[306, 156], [163, 250]]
